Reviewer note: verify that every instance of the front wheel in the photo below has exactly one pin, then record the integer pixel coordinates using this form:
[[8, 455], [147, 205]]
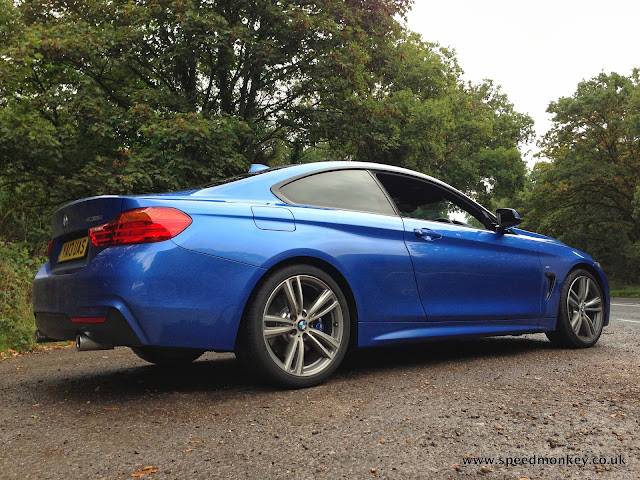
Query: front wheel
[[581, 312], [297, 327]]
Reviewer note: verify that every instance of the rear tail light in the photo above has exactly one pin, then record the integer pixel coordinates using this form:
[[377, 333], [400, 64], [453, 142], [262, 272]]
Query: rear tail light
[[142, 225], [49, 248]]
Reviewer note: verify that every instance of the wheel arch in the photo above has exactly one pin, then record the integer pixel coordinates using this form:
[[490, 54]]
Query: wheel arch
[[322, 265], [593, 271]]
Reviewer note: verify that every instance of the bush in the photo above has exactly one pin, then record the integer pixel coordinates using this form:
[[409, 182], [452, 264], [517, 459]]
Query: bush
[[17, 270]]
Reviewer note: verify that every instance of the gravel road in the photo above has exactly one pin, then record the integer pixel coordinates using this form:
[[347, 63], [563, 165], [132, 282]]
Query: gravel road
[[427, 412]]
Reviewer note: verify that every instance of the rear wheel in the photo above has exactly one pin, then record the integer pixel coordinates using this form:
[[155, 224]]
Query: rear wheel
[[166, 356], [581, 312], [296, 328]]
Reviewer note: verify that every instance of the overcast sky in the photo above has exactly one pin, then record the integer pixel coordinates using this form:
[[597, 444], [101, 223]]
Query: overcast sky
[[537, 51]]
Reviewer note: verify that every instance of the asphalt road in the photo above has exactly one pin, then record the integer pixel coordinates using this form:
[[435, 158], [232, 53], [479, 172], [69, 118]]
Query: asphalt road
[[427, 412], [626, 310]]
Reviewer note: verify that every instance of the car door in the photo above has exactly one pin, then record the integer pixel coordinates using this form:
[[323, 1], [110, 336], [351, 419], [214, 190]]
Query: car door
[[464, 269]]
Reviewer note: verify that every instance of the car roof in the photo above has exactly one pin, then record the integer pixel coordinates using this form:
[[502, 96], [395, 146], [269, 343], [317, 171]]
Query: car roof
[[257, 186]]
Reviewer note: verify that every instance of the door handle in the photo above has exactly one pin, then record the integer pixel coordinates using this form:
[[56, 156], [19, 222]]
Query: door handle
[[427, 234]]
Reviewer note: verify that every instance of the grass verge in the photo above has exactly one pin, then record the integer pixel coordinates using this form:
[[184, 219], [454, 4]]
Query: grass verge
[[627, 292]]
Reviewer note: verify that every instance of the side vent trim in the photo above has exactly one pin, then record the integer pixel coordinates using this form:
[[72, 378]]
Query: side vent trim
[[551, 277]]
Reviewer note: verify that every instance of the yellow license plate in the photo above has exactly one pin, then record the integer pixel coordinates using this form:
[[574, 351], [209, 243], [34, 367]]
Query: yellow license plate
[[73, 249]]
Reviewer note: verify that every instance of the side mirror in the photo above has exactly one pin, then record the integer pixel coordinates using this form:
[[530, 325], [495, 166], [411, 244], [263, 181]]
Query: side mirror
[[507, 218]]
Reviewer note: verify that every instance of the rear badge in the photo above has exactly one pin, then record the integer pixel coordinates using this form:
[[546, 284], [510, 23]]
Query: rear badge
[[65, 221], [95, 218]]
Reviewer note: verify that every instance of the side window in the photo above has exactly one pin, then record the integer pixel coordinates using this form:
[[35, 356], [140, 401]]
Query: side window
[[420, 199], [342, 189]]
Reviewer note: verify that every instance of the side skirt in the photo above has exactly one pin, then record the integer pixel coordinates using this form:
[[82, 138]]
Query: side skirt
[[388, 333]]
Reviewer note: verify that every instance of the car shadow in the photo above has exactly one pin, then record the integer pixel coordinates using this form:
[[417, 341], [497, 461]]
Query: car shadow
[[222, 375], [432, 353]]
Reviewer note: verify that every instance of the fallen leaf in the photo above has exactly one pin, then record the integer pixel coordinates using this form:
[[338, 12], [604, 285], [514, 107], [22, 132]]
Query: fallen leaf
[[148, 470], [383, 441]]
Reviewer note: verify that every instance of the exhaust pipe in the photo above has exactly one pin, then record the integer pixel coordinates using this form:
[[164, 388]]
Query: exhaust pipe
[[84, 344], [42, 338]]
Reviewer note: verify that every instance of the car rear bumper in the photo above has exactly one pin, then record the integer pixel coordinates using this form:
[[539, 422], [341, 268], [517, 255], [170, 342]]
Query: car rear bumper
[[155, 294], [110, 330]]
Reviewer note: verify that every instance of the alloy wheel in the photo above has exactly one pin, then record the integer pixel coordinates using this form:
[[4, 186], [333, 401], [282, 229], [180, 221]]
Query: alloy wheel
[[303, 325], [584, 308]]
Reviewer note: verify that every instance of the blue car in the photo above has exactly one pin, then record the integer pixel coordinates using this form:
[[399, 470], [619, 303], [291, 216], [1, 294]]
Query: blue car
[[289, 267]]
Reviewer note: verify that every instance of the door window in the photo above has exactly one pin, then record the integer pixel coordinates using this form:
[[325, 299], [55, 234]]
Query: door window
[[423, 200]]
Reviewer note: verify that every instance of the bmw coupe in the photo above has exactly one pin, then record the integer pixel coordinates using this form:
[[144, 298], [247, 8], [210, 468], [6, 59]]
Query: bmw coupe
[[289, 267]]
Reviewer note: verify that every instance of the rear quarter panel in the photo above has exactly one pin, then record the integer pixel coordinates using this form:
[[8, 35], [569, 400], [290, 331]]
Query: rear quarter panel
[[367, 249]]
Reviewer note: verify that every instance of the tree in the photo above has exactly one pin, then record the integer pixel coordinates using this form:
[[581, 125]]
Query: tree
[[200, 80], [588, 195], [412, 109], [125, 97]]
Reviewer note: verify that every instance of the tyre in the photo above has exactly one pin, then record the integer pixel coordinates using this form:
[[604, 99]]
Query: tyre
[[166, 356], [581, 312], [296, 328]]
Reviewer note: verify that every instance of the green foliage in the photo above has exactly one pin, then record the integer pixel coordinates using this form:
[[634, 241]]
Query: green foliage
[[17, 269], [126, 97], [121, 97], [588, 194]]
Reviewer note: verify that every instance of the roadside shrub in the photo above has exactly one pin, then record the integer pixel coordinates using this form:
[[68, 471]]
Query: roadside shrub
[[17, 270]]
